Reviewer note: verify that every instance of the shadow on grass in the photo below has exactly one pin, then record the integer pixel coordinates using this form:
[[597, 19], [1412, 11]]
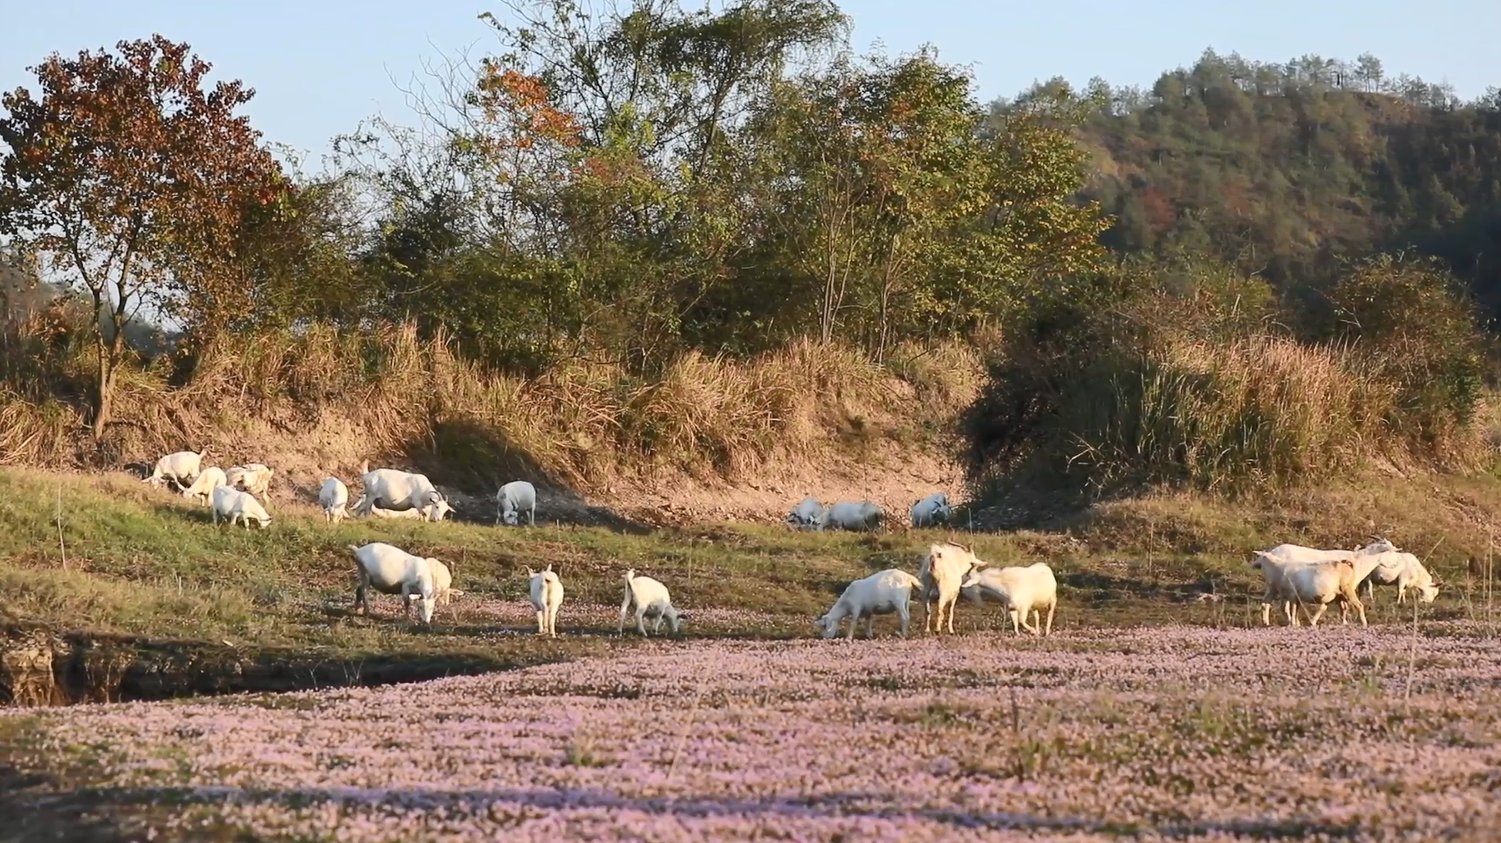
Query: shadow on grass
[[857, 805], [1106, 588], [477, 460], [37, 808]]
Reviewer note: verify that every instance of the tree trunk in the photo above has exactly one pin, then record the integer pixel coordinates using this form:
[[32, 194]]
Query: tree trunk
[[104, 396]]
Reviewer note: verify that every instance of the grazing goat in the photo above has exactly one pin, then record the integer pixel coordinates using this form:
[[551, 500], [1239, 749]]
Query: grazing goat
[[180, 467], [514, 498], [942, 576], [878, 594], [399, 491], [254, 478], [238, 506], [547, 595], [1306, 583], [809, 514], [203, 487], [1300, 553], [1400, 569], [391, 570], [931, 511], [857, 517], [1024, 590], [651, 599], [333, 496]]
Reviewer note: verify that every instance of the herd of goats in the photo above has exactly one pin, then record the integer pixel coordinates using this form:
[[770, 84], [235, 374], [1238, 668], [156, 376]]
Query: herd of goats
[[1296, 576]]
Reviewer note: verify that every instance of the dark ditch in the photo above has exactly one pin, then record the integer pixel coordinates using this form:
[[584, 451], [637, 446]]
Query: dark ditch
[[44, 668]]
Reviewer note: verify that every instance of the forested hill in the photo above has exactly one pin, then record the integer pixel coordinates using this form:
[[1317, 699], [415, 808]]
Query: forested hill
[[1284, 169]]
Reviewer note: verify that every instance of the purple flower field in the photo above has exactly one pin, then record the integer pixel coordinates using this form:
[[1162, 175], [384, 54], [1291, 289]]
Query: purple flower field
[[1184, 732]]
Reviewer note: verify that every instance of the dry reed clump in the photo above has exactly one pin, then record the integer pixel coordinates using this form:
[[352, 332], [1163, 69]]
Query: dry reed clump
[[947, 376], [32, 433], [840, 386], [705, 407], [1262, 411], [580, 421]]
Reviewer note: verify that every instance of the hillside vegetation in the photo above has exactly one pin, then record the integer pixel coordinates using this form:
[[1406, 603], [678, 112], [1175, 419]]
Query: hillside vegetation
[[1290, 169], [660, 258]]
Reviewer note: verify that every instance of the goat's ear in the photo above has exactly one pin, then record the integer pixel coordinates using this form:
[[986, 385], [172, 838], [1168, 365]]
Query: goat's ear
[[530, 573], [549, 567]]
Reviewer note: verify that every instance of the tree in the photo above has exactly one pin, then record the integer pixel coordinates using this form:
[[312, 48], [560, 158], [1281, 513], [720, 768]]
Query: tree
[[902, 212], [297, 257], [129, 179], [1368, 71]]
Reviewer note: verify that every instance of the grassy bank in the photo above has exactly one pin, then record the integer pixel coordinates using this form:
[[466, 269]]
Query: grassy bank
[[139, 564], [336, 398]]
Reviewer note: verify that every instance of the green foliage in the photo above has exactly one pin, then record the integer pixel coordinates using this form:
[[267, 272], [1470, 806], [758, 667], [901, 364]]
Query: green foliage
[[1171, 374], [614, 205], [1285, 169], [638, 186], [1415, 319], [895, 211], [1294, 173]]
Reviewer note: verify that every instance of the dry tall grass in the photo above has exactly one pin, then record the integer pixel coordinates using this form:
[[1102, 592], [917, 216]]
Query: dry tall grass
[[1262, 411], [580, 422]]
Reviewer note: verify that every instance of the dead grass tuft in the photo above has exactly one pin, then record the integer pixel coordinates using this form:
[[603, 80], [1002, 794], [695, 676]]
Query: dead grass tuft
[[396, 391]]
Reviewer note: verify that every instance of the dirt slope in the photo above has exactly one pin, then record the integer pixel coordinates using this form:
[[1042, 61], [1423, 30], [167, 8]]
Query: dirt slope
[[889, 472]]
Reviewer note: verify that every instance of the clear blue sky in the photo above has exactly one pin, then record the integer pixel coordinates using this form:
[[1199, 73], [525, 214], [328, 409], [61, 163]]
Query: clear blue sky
[[320, 66]]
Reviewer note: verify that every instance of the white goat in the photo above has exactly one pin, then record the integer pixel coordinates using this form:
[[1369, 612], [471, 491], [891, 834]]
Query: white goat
[[1299, 553], [254, 478], [391, 570], [1307, 583], [514, 498], [651, 599], [547, 595], [238, 506], [858, 517], [181, 468], [408, 514], [333, 496], [1024, 590], [878, 594], [399, 491], [203, 487], [809, 514], [942, 576], [931, 511], [1400, 569]]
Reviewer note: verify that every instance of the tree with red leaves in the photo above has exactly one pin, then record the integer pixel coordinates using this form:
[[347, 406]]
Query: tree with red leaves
[[129, 177]]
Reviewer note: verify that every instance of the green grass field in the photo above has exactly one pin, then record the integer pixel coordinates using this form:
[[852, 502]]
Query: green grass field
[[155, 601], [144, 568]]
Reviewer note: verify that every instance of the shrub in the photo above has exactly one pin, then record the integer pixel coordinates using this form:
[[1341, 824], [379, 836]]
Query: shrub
[[1415, 320], [1140, 377]]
